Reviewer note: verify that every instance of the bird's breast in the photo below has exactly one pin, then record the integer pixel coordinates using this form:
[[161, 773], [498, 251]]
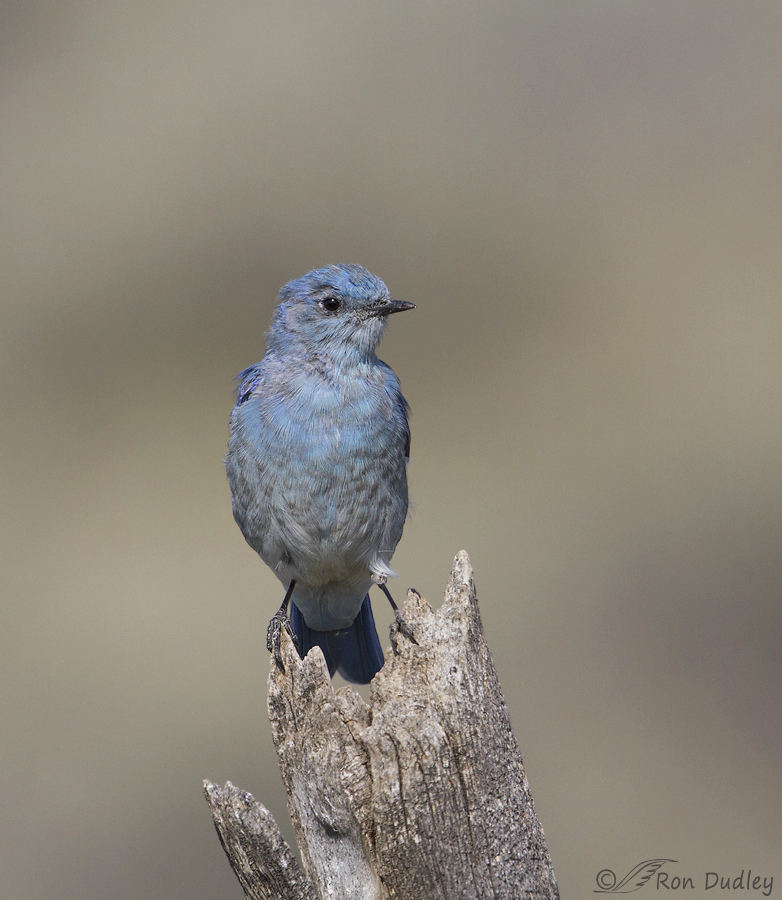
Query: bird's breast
[[326, 464]]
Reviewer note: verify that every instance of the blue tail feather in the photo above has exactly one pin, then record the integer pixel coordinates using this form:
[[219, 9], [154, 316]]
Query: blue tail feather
[[354, 652]]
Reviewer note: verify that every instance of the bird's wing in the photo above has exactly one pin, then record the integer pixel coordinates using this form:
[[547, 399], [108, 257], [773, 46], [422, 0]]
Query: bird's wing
[[402, 406], [404, 409], [246, 382]]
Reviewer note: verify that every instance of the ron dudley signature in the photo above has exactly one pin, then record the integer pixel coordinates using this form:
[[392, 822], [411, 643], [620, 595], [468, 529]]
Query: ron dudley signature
[[652, 871]]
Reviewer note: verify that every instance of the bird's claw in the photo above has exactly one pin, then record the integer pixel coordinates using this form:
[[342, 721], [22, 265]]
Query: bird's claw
[[399, 626], [279, 621]]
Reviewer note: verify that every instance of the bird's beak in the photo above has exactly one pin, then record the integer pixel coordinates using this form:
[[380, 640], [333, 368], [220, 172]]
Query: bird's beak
[[392, 306]]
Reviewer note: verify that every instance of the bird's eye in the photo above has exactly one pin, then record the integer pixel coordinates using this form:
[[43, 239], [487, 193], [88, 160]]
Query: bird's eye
[[330, 304]]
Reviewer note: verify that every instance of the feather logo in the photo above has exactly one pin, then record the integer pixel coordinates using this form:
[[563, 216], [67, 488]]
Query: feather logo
[[635, 878]]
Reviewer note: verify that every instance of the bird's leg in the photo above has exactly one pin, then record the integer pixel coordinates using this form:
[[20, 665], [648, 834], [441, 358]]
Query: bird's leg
[[279, 621], [399, 625]]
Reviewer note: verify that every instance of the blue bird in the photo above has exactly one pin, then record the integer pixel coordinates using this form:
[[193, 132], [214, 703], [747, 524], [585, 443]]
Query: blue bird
[[317, 455]]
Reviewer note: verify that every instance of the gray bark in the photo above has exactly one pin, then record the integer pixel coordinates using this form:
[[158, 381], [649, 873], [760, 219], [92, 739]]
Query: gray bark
[[421, 794]]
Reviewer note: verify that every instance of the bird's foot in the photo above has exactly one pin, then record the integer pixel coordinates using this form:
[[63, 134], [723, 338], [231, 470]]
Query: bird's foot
[[279, 622], [379, 579], [399, 626]]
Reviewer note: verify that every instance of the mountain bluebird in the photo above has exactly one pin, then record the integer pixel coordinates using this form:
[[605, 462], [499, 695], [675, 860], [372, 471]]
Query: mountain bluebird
[[317, 463]]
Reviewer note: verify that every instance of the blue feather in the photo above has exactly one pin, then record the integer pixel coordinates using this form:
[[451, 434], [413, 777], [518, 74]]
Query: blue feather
[[354, 652]]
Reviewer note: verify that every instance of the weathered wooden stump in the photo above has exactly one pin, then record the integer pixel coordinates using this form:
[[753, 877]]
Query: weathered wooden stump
[[421, 794]]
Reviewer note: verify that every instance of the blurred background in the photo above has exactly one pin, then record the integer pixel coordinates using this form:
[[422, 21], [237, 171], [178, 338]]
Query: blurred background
[[584, 200]]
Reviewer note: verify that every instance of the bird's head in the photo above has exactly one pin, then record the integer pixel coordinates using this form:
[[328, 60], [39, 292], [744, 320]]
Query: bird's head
[[338, 310]]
